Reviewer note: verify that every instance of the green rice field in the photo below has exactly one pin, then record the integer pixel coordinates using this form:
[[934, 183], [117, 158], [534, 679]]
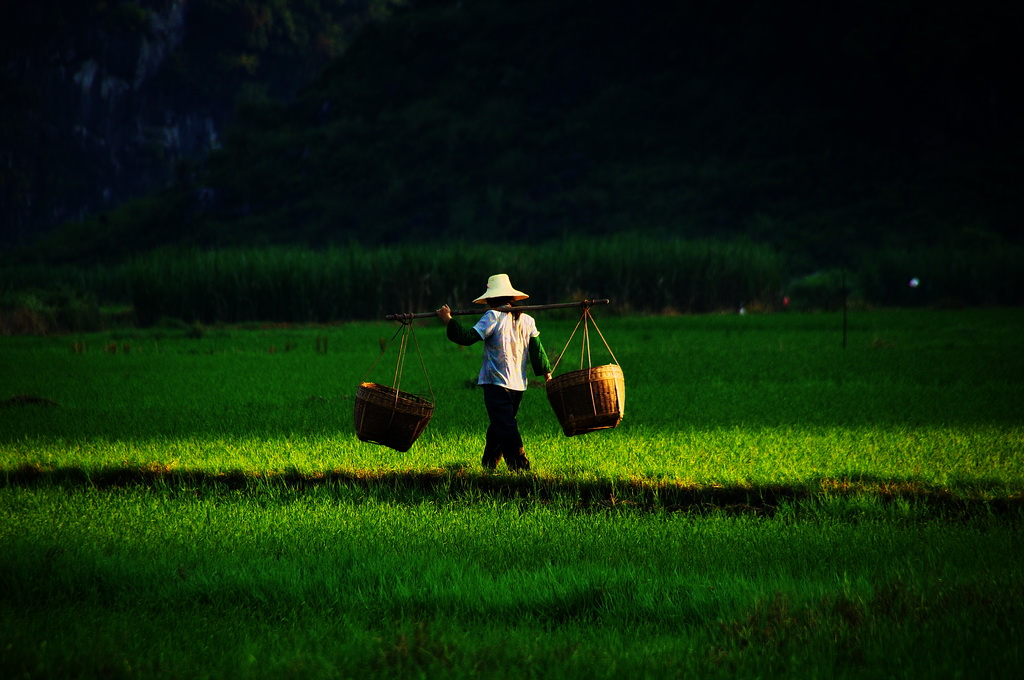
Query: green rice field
[[188, 501]]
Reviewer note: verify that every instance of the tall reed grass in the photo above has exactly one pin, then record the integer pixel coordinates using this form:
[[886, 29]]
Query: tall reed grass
[[981, 275], [356, 282], [641, 274]]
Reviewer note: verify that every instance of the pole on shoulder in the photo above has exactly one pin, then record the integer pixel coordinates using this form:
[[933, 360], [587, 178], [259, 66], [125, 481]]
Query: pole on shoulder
[[586, 304]]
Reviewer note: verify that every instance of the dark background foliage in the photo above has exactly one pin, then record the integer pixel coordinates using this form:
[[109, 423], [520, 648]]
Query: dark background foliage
[[850, 135], [102, 101]]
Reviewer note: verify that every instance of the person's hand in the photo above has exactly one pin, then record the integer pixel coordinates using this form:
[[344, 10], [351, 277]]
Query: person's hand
[[445, 314], [547, 377]]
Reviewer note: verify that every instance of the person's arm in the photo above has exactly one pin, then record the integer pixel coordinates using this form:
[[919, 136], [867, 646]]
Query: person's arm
[[461, 335], [455, 331], [539, 358]]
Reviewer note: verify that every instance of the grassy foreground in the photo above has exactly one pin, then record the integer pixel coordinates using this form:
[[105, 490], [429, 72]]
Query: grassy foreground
[[773, 505]]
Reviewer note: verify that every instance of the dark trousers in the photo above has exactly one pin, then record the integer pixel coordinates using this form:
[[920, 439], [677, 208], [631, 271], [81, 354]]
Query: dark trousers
[[503, 438]]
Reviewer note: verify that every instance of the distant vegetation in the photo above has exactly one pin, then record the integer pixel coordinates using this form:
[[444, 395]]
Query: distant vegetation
[[857, 142], [641, 274], [101, 100], [823, 134]]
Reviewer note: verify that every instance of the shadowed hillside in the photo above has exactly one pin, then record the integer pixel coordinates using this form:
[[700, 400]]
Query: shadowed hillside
[[823, 132], [106, 100]]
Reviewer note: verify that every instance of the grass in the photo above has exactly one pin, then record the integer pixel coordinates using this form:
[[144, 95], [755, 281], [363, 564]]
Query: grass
[[271, 582], [641, 273], [771, 506], [302, 285]]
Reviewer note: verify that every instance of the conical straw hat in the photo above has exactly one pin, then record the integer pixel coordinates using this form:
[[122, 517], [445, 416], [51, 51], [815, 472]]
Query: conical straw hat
[[499, 286]]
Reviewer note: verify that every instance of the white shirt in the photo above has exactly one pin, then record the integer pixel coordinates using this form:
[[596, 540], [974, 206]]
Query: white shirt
[[506, 348]]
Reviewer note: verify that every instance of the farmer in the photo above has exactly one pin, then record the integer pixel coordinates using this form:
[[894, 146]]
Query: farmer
[[510, 340]]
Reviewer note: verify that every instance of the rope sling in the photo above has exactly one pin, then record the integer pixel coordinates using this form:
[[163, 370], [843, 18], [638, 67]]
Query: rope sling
[[586, 318]]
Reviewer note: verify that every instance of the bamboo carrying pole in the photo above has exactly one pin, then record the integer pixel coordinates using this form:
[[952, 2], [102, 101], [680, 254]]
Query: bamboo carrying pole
[[404, 318]]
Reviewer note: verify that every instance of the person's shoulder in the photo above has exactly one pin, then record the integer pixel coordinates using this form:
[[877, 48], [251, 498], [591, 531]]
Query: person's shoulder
[[488, 318]]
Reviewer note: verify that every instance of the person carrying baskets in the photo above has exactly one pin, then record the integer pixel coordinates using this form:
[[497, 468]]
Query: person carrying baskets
[[510, 341]]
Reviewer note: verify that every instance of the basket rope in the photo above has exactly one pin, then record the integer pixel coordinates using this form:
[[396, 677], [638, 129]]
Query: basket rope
[[406, 329], [586, 318]]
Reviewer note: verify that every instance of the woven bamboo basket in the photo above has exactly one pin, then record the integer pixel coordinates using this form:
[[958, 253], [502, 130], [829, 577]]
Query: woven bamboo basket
[[392, 418], [589, 399]]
